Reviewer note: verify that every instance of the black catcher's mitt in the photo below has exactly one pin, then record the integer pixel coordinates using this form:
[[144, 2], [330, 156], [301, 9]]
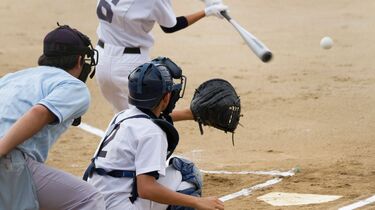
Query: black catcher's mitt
[[215, 103]]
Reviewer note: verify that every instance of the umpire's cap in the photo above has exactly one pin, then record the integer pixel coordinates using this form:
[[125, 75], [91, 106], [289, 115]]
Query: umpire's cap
[[147, 85], [65, 41]]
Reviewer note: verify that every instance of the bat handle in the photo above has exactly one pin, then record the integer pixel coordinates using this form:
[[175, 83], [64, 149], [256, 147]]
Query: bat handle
[[225, 14]]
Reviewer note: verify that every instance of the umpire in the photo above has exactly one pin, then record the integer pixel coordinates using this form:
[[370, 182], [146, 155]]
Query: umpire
[[37, 105]]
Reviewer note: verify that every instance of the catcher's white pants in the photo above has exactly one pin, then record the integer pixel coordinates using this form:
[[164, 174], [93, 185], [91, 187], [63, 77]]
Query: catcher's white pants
[[112, 73], [172, 180]]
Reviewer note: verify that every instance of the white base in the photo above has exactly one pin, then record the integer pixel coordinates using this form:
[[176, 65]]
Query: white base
[[289, 199]]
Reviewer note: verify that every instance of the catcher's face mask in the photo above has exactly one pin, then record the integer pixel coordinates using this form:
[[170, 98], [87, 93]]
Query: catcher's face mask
[[179, 83]]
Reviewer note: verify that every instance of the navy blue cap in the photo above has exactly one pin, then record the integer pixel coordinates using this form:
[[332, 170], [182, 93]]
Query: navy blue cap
[[64, 41]]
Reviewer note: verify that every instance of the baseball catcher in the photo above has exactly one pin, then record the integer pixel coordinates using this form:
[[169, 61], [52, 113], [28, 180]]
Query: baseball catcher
[[129, 166], [215, 103]]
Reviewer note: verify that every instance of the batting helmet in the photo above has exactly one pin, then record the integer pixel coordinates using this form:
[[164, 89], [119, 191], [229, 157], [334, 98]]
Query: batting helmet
[[147, 85]]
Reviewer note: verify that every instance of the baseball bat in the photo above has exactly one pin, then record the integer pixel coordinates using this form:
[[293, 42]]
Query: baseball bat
[[254, 43]]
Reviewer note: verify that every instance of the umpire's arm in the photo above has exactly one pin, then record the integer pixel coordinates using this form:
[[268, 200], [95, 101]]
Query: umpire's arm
[[25, 127]]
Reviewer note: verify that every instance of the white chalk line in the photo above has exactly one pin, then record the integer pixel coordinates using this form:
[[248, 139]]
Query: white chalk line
[[359, 204], [271, 173], [248, 191], [92, 130]]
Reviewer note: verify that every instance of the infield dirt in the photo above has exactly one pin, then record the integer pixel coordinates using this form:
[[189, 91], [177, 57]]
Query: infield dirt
[[309, 107]]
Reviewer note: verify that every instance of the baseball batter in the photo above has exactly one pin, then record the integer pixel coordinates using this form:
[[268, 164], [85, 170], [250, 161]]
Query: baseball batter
[[129, 166], [125, 39]]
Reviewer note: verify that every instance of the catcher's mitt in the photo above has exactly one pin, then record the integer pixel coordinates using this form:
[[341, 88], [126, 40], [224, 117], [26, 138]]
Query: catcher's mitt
[[215, 103]]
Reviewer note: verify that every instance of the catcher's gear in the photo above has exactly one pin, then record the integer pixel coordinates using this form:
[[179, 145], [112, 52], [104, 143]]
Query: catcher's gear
[[190, 174], [179, 81], [215, 103], [148, 84]]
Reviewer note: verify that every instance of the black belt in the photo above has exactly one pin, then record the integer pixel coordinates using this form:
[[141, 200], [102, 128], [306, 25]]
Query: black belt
[[127, 50]]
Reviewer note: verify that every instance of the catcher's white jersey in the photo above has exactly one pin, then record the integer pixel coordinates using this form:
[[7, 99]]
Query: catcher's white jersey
[[126, 23], [138, 145]]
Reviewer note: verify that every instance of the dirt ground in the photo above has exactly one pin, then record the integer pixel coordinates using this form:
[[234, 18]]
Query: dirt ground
[[309, 107]]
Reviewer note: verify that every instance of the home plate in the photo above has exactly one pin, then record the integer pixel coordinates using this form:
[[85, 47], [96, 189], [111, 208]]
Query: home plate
[[290, 199]]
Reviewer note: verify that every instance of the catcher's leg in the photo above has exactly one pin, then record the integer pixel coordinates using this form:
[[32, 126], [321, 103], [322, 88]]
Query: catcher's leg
[[172, 180]]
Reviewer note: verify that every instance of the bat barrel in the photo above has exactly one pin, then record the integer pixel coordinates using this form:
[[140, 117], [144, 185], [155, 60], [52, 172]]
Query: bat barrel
[[254, 43], [267, 56]]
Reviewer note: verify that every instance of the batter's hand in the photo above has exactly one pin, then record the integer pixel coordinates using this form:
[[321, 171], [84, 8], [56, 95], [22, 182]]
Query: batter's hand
[[215, 9], [210, 203]]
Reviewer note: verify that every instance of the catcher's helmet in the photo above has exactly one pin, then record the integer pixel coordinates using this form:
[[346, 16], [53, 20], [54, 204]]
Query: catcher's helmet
[[147, 85]]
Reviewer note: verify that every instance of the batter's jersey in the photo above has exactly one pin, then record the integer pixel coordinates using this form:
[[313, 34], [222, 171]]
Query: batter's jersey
[[138, 145], [128, 23], [64, 95]]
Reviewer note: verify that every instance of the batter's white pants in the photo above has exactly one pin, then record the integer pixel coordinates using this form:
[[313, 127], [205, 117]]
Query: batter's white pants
[[112, 73]]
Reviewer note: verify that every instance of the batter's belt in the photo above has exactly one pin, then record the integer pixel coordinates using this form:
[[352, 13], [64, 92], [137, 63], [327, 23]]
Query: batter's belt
[[127, 50]]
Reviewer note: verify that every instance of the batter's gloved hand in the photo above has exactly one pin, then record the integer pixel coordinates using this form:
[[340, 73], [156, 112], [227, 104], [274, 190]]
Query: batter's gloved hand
[[215, 103], [212, 2], [215, 9]]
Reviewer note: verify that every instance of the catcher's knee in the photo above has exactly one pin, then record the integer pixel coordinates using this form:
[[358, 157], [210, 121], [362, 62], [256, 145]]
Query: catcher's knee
[[190, 174], [191, 183]]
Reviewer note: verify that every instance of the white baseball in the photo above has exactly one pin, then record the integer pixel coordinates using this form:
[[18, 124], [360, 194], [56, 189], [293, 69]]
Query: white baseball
[[326, 43]]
